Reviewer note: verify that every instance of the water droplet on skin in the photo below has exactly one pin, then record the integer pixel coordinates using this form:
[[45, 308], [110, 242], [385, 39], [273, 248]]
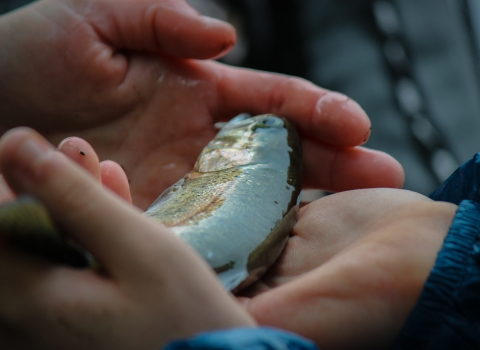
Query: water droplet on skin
[[169, 166]]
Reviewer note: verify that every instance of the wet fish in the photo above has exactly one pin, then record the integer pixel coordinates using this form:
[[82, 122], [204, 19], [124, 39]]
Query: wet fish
[[237, 207]]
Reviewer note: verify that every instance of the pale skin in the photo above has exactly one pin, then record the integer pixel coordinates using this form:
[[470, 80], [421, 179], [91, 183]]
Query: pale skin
[[151, 289], [354, 268], [349, 276], [119, 77], [105, 76]]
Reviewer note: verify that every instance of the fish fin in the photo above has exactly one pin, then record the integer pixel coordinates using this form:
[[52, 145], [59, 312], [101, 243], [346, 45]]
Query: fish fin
[[166, 194]]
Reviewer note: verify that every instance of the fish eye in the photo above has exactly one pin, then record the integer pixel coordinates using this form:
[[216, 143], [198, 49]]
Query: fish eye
[[270, 122]]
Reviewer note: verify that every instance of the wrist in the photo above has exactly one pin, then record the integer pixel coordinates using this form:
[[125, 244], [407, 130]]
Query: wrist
[[448, 302]]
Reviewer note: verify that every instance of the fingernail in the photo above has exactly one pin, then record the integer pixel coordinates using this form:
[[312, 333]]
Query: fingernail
[[32, 150], [64, 141], [367, 135], [214, 22], [341, 101]]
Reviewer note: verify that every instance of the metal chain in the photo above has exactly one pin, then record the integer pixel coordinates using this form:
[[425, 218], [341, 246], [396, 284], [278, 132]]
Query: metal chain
[[429, 138]]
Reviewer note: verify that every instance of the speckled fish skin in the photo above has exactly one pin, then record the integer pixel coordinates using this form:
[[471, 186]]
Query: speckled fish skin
[[239, 204]]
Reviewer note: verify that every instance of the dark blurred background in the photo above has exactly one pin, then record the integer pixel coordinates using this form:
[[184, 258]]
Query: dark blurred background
[[413, 65]]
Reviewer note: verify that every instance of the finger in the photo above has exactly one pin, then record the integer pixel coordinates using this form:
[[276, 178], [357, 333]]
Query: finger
[[141, 257], [114, 178], [78, 204], [327, 116], [171, 27], [6, 194], [341, 169], [108, 172], [81, 153]]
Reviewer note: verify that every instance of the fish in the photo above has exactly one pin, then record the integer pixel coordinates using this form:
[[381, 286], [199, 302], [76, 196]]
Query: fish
[[26, 224], [238, 205], [236, 208]]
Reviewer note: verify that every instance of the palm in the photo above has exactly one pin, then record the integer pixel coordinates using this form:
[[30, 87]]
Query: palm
[[157, 133], [158, 140], [357, 259], [149, 114]]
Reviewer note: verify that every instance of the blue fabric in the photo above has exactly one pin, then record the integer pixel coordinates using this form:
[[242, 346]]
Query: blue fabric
[[447, 314], [464, 183], [258, 338]]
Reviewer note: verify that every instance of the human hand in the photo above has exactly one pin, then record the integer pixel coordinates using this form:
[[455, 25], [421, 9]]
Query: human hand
[[69, 61], [151, 290], [105, 78], [353, 269], [107, 172]]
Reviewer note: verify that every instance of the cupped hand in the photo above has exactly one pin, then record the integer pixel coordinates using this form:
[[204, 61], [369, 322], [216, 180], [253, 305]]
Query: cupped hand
[[151, 289], [115, 74], [354, 268]]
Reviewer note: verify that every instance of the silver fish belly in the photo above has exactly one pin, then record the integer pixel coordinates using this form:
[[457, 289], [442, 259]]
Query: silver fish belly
[[237, 207]]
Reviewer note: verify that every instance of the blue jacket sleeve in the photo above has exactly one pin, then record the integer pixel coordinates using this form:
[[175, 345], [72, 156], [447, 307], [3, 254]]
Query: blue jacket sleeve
[[447, 314], [258, 338], [463, 184]]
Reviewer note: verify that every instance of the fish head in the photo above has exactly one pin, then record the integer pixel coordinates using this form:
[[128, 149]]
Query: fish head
[[247, 140]]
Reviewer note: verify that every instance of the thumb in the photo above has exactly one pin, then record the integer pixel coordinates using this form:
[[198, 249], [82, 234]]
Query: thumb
[[171, 27], [106, 226]]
